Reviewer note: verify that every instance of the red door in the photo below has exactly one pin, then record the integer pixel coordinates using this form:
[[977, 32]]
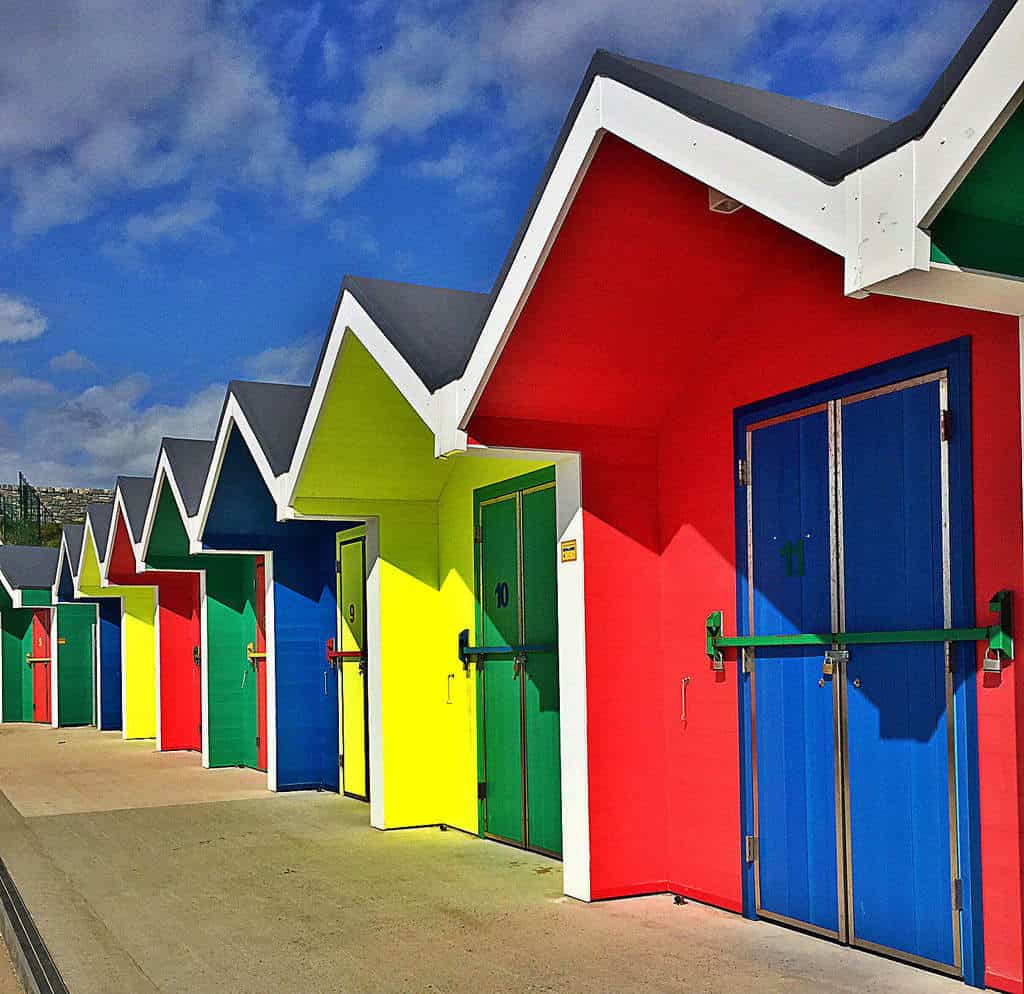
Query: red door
[[180, 701], [260, 663], [40, 663]]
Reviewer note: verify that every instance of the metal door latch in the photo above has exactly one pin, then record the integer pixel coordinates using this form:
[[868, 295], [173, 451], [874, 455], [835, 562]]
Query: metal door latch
[[833, 657]]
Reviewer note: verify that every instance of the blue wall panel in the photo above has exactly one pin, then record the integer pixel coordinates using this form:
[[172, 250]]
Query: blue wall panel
[[110, 649], [242, 516]]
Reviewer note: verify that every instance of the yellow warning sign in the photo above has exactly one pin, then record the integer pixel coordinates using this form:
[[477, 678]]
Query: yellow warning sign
[[569, 551]]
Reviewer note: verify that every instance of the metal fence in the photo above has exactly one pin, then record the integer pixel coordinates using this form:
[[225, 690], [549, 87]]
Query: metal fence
[[24, 518]]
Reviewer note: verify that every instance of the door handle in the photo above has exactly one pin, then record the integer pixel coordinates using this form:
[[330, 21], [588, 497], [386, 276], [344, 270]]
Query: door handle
[[683, 683]]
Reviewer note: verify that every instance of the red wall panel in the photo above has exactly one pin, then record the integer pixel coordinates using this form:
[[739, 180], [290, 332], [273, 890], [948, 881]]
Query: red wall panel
[[179, 631], [655, 318]]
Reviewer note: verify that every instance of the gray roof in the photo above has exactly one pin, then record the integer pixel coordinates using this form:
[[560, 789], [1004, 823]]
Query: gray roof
[[190, 460], [275, 412], [28, 566], [74, 536], [99, 513], [135, 491], [433, 329]]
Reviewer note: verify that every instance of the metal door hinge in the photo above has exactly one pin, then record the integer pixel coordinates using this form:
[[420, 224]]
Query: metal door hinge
[[478, 534], [958, 894], [337, 567], [743, 473], [481, 790], [341, 760], [950, 662], [945, 425], [747, 659], [750, 848], [257, 742]]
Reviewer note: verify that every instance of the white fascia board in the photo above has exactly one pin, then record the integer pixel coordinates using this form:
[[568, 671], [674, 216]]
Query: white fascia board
[[760, 181], [12, 592], [352, 319], [891, 200], [233, 417], [164, 474], [62, 554], [957, 287], [989, 92], [882, 235], [119, 509]]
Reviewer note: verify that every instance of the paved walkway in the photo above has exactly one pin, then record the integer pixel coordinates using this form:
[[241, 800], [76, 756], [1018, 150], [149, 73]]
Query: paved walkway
[[8, 980], [135, 890]]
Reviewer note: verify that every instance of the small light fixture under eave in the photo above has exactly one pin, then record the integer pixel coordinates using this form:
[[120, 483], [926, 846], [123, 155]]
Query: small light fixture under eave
[[719, 203]]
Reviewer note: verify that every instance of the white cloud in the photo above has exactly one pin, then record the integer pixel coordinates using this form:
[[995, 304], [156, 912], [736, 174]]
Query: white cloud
[[104, 431], [451, 165], [337, 174], [19, 320], [22, 387], [72, 361], [148, 96], [293, 363], [171, 222]]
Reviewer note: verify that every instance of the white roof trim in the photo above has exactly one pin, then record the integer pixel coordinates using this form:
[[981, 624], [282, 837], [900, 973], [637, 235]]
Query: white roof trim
[[233, 417], [760, 181], [893, 199], [164, 473], [352, 319], [64, 556], [119, 509], [13, 592]]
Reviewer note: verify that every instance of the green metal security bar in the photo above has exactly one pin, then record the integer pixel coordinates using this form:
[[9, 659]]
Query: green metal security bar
[[998, 636]]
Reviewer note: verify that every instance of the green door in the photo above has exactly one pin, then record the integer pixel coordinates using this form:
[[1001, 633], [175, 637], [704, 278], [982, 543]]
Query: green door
[[76, 645], [520, 795]]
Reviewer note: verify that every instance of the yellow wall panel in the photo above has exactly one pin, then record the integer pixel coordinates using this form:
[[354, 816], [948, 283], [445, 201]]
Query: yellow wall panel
[[138, 635]]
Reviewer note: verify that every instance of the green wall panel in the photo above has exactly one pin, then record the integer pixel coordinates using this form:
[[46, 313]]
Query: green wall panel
[[982, 225], [230, 626], [76, 625], [16, 628]]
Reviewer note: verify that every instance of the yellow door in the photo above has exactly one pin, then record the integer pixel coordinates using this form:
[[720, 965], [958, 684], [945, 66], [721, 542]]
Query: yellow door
[[352, 705]]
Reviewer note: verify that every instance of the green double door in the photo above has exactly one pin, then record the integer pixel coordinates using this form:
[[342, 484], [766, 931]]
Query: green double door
[[520, 772]]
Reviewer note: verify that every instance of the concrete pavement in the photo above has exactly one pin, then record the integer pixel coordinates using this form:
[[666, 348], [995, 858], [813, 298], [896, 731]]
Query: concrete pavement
[[146, 874]]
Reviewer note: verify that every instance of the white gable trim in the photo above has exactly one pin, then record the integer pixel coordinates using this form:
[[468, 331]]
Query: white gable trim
[[762, 182], [351, 319], [164, 474], [119, 510], [894, 198], [233, 417]]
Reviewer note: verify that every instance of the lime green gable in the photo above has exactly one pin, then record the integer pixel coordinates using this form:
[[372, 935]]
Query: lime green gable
[[138, 645], [982, 225], [371, 457], [230, 627]]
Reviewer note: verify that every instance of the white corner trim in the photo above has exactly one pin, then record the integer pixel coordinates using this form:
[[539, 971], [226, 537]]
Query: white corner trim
[[271, 663], [572, 682], [374, 674], [54, 663]]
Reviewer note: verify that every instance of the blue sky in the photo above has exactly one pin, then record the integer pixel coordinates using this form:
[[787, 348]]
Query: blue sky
[[184, 183]]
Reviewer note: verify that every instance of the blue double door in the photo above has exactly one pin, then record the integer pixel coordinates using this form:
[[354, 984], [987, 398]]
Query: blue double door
[[853, 758]]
